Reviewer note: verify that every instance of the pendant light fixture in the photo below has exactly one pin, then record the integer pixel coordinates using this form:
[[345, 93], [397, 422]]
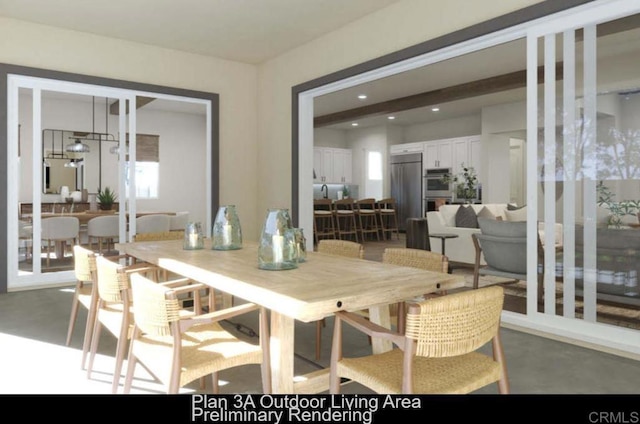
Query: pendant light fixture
[[74, 163], [78, 147]]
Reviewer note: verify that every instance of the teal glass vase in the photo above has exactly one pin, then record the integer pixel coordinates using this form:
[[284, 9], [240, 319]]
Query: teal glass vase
[[226, 232], [277, 250], [193, 236]]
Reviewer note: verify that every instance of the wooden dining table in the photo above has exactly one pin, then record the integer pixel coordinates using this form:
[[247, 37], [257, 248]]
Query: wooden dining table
[[86, 216], [319, 287]]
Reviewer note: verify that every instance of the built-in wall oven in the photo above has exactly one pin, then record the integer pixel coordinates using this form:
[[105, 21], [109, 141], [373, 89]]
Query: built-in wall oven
[[436, 191], [434, 186]]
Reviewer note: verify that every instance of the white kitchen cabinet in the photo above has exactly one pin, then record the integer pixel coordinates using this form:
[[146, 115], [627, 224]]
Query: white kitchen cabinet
[[332, 165], [460, 152], [342, 168], [405, 148], [474, 152], [437, 154]]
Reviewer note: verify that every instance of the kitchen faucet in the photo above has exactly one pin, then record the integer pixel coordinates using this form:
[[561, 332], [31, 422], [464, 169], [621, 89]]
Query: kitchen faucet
[[325, 194]]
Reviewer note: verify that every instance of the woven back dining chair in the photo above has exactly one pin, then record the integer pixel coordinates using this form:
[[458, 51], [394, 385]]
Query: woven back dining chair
[[349, 249], [113, 308], [415, 258], [440, 353], [83, 295], [180, 349]]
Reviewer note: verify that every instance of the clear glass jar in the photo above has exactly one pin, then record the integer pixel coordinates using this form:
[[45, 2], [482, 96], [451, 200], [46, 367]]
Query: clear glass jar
[[193, 236], [300, 244], [226, 233], [277, 250]]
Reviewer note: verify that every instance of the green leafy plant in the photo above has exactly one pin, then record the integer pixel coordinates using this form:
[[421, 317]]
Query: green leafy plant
[[465, 182], [345, 191], [617, 210], [106, 198]]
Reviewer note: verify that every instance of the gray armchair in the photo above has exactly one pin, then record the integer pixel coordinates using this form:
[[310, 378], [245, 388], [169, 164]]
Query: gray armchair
[[504, 244]]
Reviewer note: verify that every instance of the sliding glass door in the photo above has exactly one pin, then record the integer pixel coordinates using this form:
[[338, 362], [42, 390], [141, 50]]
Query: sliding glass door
[[583, 150], [70, 141]]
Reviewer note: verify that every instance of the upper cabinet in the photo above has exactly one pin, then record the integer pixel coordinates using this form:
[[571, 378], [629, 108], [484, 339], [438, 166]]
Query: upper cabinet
[[438, 154], [448, 153], [332, 165]]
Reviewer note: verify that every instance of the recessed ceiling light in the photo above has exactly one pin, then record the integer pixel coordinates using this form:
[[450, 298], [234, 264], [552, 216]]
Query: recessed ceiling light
[[362, 96], [354, 124], [391, 117], [435, 109]]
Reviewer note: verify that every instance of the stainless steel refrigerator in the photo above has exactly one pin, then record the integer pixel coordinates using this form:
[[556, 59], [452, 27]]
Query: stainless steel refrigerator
[[406, 186]]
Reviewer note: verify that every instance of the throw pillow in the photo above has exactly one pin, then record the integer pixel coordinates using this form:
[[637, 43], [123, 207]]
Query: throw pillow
[[466, 217], [485, 213], [516, 215], [514, 207]]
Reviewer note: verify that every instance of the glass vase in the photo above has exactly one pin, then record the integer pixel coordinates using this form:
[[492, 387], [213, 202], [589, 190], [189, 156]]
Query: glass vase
[[226, 233], [193, 236], [300, 244], [277, 250]]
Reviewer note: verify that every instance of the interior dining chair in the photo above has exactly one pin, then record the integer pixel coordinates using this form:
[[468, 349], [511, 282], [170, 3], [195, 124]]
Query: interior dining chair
[[178, 350], [153, 223], [415, 258], [349, 249], [104, 229], [440, 353], [84, 295], [113, 308], [60, 230]]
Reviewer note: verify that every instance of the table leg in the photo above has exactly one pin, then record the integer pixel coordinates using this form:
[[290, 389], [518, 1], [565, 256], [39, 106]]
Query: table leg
[[281, 345], [380, 315]]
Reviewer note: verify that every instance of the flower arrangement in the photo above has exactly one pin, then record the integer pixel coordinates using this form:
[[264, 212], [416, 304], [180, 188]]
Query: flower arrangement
[[465, 182]]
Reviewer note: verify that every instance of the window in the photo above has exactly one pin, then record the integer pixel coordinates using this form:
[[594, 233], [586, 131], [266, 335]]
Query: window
[[147, 166], [375, 166], [146, 180]]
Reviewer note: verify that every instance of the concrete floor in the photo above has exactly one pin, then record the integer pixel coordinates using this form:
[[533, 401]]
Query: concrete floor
[[34, 359]]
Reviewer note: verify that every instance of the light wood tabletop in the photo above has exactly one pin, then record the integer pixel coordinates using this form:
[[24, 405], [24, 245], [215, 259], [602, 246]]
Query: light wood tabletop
[[320, 286]]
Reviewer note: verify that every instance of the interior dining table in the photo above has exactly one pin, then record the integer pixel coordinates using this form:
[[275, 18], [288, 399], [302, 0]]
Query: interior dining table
[[317, 288]]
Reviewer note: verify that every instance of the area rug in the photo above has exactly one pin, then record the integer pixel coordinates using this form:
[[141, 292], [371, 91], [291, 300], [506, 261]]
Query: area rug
[[622, 315]]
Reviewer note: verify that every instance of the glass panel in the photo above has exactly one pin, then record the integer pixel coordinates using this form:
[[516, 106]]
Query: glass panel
[[24, 184], [590, 137]]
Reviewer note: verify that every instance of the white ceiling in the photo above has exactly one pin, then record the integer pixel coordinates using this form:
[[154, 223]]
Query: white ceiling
[[250, 31], [253, 31]]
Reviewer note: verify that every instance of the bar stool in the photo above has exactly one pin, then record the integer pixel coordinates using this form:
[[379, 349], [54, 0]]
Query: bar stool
[[345, 219], [367, 217], [388, 214], [323, 219]]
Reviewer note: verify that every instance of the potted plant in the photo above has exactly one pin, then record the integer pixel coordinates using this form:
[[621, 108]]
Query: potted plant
[[617, 210], [106, 198], [465, 183]]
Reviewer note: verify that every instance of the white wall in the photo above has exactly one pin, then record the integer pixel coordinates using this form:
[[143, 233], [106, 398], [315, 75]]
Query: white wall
[[446, 128], [361, 141], [40, 46], [330, 137]]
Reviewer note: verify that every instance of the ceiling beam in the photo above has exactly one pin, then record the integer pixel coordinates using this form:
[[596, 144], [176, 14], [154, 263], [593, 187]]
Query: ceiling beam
[[114, 108], [481, 87]]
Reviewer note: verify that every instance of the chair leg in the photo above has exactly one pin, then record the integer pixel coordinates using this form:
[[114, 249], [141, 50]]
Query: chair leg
[[74, 315], [95, 337]]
